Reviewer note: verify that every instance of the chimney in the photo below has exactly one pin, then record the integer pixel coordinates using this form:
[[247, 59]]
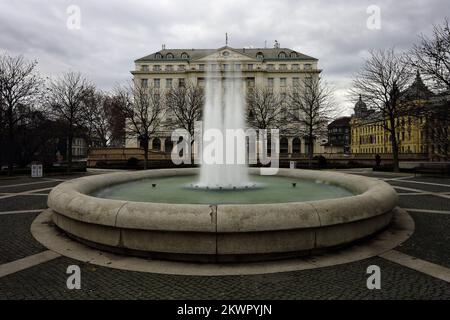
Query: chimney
[[163, 47]]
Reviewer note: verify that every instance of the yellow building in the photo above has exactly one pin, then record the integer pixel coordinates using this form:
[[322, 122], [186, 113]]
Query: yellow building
[[369, 134]]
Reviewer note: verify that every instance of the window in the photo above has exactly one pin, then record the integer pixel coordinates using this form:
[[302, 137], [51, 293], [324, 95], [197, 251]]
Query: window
[[282, 55], [237, 67], [201, 67], [169, 83], [283, 82], [157, 67], [214, 67], [283, 67], [270, 67], [181, 82], [184, 55], [144, 67], [308, 80], [250, 67], [270, 82], [181, 67], [226, 67], [201, 82], [308, 66], [157, 83], [158, 55], [169, 68], [296, 66], [144, 83], [225, 53], [293, 54], [251, 82], [169, 56], [260, 56], [295, 82]]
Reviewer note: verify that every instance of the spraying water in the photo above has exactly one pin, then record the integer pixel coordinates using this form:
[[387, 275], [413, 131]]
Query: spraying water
[[224, 112]]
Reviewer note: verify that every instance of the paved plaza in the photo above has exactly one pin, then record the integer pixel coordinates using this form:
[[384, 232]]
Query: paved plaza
[[417, 269]]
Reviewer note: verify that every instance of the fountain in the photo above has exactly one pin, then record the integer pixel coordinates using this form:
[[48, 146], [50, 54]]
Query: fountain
[[224, 110], [215, 214]]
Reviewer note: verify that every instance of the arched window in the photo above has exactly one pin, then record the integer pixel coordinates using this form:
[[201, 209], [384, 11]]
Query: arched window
[[293, 54], [284, 146], [251, 115], [156, 145], [260, 56], [296, 144], [158, 55], [184, 55], [168, 145], [282, 55], [169, 56]]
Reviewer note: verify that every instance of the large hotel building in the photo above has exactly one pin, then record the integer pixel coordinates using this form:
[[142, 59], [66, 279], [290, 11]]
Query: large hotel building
[[276, 68]]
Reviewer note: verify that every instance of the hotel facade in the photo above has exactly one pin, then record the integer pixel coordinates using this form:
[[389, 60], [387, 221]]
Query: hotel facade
[[276, 68]]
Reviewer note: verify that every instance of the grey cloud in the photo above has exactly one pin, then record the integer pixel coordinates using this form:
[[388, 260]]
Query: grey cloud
[[115, 32]]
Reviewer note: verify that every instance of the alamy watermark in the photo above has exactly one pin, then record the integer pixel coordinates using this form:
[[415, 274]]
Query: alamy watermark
[[227, 147], [73, 21], [374, 19]]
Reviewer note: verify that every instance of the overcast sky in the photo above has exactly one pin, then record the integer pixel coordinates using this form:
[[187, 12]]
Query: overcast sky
[[114, 33]]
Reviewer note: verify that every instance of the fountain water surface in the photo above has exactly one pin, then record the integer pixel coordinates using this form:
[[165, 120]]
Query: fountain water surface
[[224, 110]]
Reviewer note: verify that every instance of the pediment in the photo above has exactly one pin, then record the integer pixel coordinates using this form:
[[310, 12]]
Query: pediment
[[226, 54]]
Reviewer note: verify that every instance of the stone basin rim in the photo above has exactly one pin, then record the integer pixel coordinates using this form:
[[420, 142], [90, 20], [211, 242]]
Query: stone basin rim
[[71, 199]]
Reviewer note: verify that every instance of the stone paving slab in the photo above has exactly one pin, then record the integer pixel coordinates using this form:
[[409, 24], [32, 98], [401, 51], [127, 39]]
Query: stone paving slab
[[430, 242], [17, 180], [431, 239], [48, 281], [16, 241], [23, 202], [424, 202], [25, 188], [430, 179], [423, 187]]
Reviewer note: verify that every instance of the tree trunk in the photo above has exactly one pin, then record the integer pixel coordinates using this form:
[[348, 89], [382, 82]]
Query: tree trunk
[[10, 144], [145, 142], [69, 152], [310, 148], [394, 144]]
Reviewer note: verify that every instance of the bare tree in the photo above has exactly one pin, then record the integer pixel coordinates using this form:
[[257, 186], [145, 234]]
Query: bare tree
[[98, 118], [265, 108], [66, 103], [312, 106], [19, 88], [144, 110], [185, 103], [380, 82], [431, 56], [116, 120]]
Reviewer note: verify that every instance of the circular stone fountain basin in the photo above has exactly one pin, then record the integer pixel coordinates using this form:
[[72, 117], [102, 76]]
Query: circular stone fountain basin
[[227, 230], [267, 189]]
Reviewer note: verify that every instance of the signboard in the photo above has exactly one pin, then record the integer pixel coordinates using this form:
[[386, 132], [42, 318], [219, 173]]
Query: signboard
[[36, 171], [292, 164]]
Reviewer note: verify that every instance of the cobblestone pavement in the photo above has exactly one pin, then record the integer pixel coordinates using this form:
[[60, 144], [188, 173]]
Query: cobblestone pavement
[[430, 242]]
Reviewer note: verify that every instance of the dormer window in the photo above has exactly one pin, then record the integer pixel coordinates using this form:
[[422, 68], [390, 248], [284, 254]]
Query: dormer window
[[293, 54], [169, 56], [282, 55], [158, 55], [184, 55], [260, 56]]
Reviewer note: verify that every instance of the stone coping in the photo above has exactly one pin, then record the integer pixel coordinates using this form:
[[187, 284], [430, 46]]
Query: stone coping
[[372, 198]]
